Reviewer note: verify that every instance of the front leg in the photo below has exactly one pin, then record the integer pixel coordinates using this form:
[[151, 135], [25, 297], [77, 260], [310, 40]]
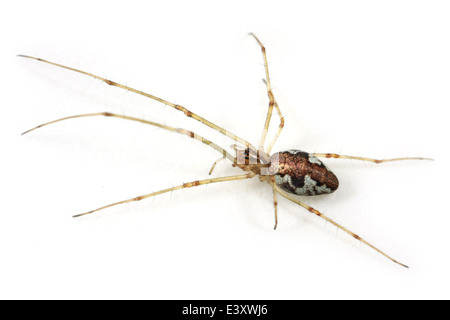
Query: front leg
[[334, 155]]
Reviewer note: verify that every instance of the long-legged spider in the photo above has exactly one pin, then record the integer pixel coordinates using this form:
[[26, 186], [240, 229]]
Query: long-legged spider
[[289, 173]]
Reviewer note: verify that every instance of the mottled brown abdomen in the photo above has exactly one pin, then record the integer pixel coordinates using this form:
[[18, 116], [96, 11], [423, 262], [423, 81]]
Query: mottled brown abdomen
[[302, 173]]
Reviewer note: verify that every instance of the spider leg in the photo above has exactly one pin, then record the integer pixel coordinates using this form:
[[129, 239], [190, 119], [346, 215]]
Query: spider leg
[[334, 155], [272, 104], [175, 106], [275, 205], [321, 215], [280, 128], [179, 187], [190, 134]]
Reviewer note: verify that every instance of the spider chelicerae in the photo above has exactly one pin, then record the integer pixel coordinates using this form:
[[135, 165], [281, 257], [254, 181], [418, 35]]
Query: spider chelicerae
[[290, 173]]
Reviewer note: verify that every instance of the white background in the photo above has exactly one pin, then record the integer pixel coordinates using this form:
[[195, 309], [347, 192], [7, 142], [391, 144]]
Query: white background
[[368, 78]]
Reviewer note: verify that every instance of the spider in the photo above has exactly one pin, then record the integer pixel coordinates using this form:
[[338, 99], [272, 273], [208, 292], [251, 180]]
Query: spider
[[289, 173]]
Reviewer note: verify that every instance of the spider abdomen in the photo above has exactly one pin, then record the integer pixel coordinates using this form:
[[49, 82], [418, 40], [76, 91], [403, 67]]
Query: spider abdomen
[[302, 173]]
